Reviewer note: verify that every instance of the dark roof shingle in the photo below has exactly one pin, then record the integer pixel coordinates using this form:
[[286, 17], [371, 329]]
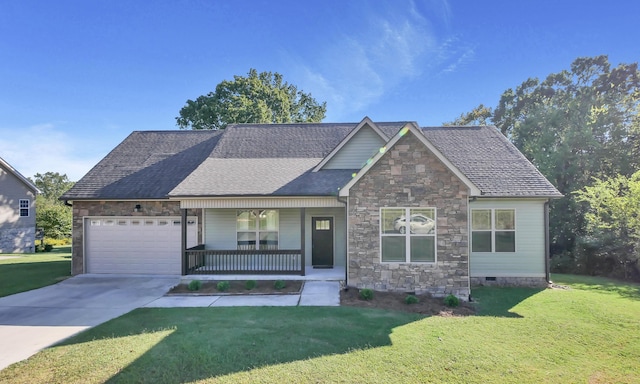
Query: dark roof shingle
[[490, 161], [146, 165], [277, 159]]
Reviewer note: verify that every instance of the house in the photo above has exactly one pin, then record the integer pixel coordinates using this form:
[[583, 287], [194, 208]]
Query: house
[[291, 198], [17, 211]]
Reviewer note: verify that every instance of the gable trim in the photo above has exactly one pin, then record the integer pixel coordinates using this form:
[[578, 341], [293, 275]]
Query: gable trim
[[19, 176], [413, 129], [366, 121]]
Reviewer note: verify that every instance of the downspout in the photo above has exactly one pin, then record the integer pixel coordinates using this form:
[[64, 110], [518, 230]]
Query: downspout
[[547, 242], [346, 253]]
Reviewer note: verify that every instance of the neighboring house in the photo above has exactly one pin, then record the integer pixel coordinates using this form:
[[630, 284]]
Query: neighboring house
[[17, 211], [281, 198]]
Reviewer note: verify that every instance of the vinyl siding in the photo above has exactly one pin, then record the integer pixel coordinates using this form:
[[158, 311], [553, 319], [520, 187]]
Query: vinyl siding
[[528, 259], [355, 153], [220, 229], [11, 192], [17, 233], [289, 233]]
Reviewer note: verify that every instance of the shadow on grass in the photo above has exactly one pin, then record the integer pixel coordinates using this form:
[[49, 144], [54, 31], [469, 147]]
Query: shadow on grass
[[498, 301], [212, 342]]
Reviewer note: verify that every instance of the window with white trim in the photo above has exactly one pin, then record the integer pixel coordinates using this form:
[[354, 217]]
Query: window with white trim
[[257, 229], [24, 207], [412, 241], [493, 230]]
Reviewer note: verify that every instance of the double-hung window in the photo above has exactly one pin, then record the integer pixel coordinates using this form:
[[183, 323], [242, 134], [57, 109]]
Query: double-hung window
[[257, 229], [408, 235], [493, 230], [24, 207]]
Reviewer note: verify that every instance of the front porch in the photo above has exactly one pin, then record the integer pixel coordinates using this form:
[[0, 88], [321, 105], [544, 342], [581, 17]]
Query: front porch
[[275, 241]]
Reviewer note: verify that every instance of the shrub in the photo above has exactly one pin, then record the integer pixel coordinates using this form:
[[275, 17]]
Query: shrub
[[411, 299], [451, 301], [57, 242], [279, 284], [223, 286], [366, 294], [195, 285], [250, 284]]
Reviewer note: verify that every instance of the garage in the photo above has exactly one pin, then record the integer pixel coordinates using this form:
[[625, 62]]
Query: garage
[[136, 245]]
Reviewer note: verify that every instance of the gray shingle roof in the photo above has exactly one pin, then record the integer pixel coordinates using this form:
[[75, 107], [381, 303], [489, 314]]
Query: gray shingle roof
[[287, 140], [490, 161], [146, 165], [277, 159]]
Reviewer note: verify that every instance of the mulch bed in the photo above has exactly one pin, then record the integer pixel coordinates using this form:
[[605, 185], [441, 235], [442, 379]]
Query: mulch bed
[[394, 301], [426, 305], [237, 287]]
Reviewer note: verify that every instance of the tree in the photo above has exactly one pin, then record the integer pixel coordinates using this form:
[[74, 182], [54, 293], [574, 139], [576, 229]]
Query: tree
[[574, 125], [52, 215], [258, 98], [52, 184], [613, 225], [480, 115]]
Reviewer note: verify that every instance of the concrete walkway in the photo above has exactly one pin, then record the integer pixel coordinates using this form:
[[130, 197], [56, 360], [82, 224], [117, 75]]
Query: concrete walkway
[[314, 293]]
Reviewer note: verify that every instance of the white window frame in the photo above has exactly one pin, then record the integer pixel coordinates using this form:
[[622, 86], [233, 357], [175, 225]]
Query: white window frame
[[493, 229], [27, 206], [408, 235], [257, 229]]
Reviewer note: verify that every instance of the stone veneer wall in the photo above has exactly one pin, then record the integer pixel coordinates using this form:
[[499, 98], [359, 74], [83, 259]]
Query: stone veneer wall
[[409, 175], [18, 240], [82, 209]]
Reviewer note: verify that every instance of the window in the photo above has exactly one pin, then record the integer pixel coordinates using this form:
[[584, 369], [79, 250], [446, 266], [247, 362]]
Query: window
[[257, 229], [410, 242], [24, 207], [493, 230]]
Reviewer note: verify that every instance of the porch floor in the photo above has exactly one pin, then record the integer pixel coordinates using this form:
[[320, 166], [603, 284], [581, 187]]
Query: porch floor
[[336, 273]]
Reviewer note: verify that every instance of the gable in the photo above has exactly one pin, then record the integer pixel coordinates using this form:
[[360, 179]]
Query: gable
[[8, 175], [410, 130], [355, 152]]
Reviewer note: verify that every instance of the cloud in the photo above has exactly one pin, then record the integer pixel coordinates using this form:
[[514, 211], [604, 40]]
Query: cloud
[[394, 45], [45, 148]]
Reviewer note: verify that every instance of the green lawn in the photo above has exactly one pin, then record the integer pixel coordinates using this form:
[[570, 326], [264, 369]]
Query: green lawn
[[590, 333], [35, 270]]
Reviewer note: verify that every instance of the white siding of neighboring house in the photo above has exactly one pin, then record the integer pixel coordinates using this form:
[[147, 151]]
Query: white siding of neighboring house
[[17, 234], [354, 154], [220, 232], [528, 260]]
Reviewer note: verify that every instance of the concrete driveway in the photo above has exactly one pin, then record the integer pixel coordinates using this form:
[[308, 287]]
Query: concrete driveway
[[31, 321]]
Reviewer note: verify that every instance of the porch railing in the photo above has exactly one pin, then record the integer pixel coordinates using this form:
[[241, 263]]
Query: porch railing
[[210, 262]]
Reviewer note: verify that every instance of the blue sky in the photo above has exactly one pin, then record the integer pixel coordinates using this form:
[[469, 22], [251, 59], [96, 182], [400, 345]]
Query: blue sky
[[77, 77]]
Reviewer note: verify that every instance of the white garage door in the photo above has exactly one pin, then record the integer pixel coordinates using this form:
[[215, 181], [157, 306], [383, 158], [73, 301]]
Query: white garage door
[[140, 245]]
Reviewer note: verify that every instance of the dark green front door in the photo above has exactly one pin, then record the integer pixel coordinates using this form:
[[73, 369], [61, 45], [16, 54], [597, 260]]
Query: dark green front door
[[322, 242]]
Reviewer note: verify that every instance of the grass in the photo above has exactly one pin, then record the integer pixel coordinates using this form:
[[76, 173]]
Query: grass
[[35, 270], [589, 333]]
